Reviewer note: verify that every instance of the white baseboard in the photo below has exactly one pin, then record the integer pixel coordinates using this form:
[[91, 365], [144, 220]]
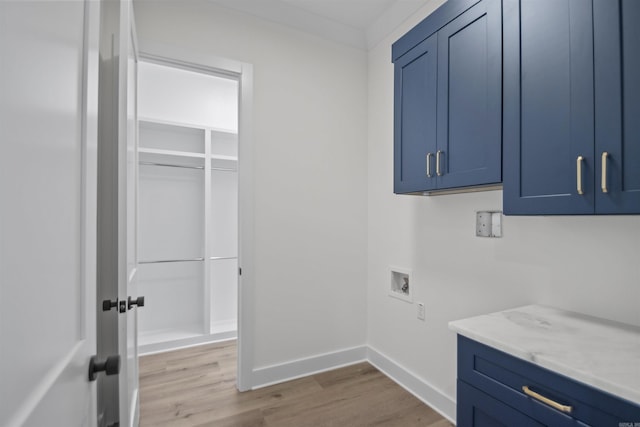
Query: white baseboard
[[430, 395], [421, 389], [275, 374], [160, 347]]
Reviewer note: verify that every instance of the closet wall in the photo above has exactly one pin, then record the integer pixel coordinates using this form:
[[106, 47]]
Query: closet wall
[[188, 215]]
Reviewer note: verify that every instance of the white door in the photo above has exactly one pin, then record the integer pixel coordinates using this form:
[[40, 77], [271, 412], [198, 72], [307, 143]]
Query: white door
[[117, 209], [48, 137]]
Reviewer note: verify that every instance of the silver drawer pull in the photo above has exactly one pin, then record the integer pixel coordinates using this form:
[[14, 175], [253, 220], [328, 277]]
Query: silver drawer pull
[[555, 405], [429, 164], [605, 155], [579, 174], [438, 154]]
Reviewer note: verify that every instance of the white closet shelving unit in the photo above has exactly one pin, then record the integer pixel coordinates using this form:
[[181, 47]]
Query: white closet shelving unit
[[187, 233]]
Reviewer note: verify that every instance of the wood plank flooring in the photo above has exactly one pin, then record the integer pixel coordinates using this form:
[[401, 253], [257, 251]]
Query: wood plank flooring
[[196, 387]]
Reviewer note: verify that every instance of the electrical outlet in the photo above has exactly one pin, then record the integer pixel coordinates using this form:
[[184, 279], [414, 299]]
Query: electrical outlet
[[421, 311], [489, 224]]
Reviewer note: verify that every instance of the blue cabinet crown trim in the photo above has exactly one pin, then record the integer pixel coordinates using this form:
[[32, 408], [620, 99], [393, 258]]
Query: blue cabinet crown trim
[[432, 23]]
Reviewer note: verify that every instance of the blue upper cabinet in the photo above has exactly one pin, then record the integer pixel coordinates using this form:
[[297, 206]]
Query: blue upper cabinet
[[415, 117], [617, 101], [571, 93], [469, 149], [548, 107], [448, 99]]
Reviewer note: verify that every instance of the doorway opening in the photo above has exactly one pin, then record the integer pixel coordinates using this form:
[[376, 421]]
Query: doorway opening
[[187, 206], [242, 74]]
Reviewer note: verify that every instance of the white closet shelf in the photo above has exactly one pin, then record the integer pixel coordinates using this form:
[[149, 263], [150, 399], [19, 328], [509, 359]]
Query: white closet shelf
[[223, 131], [223, 157], [171, 152], [148, 120]]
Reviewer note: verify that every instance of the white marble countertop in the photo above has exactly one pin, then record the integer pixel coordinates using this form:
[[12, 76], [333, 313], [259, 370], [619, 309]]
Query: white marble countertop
[[594, 351]]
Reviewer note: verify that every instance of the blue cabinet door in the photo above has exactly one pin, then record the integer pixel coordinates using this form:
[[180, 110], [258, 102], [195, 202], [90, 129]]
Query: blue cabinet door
[[415, 118], [617, 100], [549, 162], [470, 98]]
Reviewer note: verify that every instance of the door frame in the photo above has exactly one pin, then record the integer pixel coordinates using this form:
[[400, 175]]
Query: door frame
[[113, 277], [129, 389], [243, 73]]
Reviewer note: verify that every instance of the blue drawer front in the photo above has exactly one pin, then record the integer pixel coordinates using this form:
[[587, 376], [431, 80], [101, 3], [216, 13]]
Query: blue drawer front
[[503, 376], [478, 409]]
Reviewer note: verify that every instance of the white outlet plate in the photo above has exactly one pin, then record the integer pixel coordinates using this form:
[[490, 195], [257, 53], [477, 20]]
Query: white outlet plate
[[421, 313]]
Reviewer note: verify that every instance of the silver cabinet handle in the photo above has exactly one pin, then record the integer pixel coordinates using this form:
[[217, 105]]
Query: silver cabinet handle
[[579, 174], [605, 156], [429, 155], [438, 171]]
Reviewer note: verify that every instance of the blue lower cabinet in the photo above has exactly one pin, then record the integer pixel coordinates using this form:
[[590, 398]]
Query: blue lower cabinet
[[496, 389]]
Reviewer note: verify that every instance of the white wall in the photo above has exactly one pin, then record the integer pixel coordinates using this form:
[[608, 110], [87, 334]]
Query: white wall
[[310, 172], [587, 264], [314, 246]]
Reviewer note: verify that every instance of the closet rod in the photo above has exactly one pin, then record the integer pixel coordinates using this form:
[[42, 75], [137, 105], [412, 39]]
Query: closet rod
[[187, 167], [170, 166], [170, 260], [223, 257]]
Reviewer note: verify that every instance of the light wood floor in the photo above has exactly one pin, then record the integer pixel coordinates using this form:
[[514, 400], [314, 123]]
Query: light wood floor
[[196, 387]]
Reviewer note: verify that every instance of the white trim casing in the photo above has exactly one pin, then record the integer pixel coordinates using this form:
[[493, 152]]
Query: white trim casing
[[246, 242]]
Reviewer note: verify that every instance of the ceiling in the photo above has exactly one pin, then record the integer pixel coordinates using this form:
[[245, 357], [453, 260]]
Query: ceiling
[[358, 23]]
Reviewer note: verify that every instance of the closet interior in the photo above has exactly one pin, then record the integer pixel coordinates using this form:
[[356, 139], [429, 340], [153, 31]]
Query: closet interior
[[187, 207]]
